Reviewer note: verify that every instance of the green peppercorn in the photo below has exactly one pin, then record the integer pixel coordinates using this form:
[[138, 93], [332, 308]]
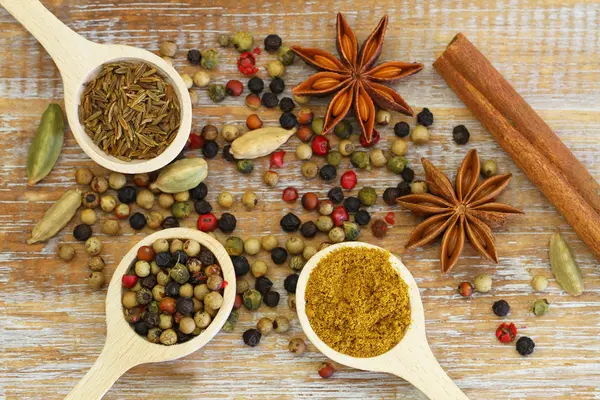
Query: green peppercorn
[[265, 326], [324, 223], [210, 59], [181, 210], [540, 307], [232, 320], [243, 41], [297, 263], [234, 246], [317, 125], [343, 129], [360, 159], [308, 252], [241, 286], [179, 273], [346, 147], [294, 245], [216, 92], [245, 166], [252, 299], [367, 196], [334, 158], [351, 230], [154, 335], [337, 235], [489, 168], [286, 55], [309, 169], [418, 187], [281, 324], [396, 164]]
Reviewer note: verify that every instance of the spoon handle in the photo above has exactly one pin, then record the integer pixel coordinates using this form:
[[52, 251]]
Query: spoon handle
[[109, 366], [67, 48], [426, 374]]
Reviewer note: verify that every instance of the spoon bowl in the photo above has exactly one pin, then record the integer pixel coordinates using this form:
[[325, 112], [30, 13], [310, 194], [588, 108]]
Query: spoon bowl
[[411, 359], [124, 348], [79, 61]]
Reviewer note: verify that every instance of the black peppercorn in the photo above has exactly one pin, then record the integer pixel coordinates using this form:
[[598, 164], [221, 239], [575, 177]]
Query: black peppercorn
[[277, 86], [184, 305], [182, 337], [170, 222], [290, 283], [240, 265], [256, 85], [362, 217], [194, 56], [288, 120], [401, 129], [140, 328], [328, 172], [227, 153], [137, 221], [460, 134], [390, 195], [202, 207], [263, 285], [286, 104], [501, 308], [181, 257], [252, 337], [206, 256], [525, 346], [403, 188], [272, 43], [210, 149], [336, 195], [290, 222], [425, 117], [227, 223], [271, 299], [308, 229], [151, 319], [279, 255], [407, 174], [82, 232], [269, 100], [352, 204], [172, 289], [199, 192], [149, 282], [127, 194], [164, 259]]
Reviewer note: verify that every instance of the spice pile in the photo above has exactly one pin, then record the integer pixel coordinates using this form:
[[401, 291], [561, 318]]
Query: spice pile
[[172, 291], [130, 111], [357, 303]]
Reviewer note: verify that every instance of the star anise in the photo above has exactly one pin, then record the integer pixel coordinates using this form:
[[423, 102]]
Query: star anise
[[354, 79], [467, 211]]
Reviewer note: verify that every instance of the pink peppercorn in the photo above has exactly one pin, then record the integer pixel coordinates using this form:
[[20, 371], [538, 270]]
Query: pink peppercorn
[[290, 195], [348, 180], [277, 159], [374, 139], [234, 87], [339, 215], [320, 146]]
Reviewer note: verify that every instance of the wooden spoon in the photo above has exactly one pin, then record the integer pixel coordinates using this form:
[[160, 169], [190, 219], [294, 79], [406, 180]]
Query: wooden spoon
[[79, 60], [124, 348], [411, 359]]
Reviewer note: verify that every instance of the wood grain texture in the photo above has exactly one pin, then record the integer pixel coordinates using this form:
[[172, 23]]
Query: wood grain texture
[[52, 326]]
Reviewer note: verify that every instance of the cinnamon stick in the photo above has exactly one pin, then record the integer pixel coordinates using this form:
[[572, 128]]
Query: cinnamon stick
[[495, 103]]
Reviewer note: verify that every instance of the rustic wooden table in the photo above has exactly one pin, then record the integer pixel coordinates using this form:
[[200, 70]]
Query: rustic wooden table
[[52, 325]]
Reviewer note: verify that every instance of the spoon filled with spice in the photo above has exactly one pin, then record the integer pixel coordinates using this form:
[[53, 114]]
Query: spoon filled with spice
[[157, 305], [128, 109], [361, 307]]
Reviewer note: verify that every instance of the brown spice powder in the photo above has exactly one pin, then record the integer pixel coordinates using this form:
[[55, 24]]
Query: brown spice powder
[[357, 302]]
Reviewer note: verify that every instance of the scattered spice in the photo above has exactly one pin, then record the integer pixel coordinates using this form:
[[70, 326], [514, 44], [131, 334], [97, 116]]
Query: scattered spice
[[460, 134], [564, 267], [359, 290], [379, 228], [525, 346], [326, 370], [540, 307], [46, 146], [506, 332], [465, 289]]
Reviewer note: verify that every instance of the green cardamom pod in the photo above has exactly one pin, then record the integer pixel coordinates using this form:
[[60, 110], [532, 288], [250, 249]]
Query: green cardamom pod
[[182, 175], [46, 145], [564, 267], [56, 217], [260, 142]]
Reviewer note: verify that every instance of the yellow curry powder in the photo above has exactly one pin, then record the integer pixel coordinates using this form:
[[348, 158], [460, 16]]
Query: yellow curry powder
[[357, 302]]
